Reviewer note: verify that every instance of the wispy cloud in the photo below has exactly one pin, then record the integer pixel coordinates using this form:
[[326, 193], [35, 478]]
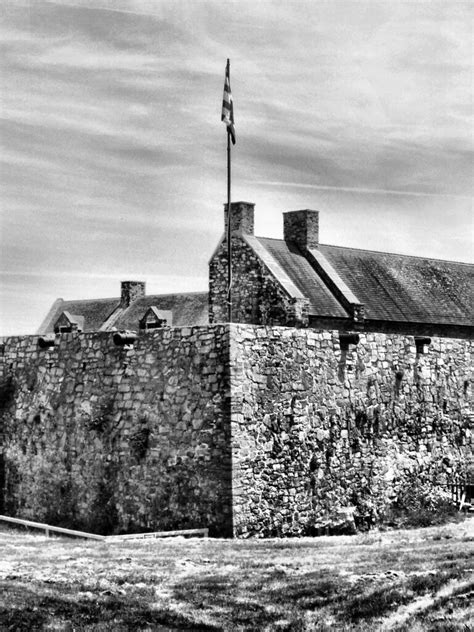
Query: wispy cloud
[[321, 187], [113, 154], [118, 274], [101, 6]]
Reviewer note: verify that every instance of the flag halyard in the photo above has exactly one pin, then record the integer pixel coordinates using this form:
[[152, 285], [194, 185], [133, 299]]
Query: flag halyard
[[228, 105]]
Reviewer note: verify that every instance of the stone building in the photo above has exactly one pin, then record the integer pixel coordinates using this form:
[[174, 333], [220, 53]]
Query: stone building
[[298, 281], [343, 381]]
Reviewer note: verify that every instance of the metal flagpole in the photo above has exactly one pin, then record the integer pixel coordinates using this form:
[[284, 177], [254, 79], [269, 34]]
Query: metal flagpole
[[229, 233], [228, 118]]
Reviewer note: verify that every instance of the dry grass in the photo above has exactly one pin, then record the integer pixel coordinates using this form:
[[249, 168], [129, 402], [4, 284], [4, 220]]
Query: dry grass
[[401, 580]]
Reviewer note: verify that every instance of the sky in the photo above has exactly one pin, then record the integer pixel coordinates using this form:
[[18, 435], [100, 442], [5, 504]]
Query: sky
[[113, 154]]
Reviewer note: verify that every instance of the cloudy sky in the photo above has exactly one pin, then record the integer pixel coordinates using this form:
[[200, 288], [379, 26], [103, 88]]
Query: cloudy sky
[[113, 162]]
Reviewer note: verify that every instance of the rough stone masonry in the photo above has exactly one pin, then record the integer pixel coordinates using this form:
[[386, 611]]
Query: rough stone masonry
[[247, 430], [317, 428], [115, 439]]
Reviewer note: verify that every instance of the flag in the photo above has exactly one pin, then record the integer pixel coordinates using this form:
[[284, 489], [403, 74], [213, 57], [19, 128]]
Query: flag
[[228, 105]]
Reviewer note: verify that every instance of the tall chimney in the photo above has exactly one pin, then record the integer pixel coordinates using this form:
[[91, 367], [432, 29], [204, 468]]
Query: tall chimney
[[241, 217], [302, 228], [131, 291]]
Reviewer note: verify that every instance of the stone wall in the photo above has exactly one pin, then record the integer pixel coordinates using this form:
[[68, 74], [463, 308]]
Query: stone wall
[[248, 430], [111, 439], [316, 429], [257, 297]]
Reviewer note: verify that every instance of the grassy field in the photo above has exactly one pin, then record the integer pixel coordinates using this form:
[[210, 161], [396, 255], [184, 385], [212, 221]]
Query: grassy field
[[395, 580]]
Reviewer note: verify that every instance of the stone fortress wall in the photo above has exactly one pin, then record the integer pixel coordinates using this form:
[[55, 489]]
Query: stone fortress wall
[[317, 428], [246, 429], [114, 439]]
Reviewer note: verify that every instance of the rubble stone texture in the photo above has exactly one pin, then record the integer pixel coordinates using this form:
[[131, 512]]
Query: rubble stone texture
[[248, 430], [257, 297], [316, 430], [113, 439]]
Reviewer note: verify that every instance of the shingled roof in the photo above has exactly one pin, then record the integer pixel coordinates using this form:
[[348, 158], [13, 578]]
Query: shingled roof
[[377, 288], [304, 276], [344, 287], [391, 287], [405, 288], [94, 311], [188, 309]]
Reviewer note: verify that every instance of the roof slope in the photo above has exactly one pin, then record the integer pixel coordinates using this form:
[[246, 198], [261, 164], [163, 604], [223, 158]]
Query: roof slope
[[297, 267], [94, 311], [404, 288], [392, 287], [188, 309]]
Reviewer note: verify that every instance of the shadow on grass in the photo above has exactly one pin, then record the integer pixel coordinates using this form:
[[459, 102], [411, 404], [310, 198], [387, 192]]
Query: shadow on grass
[[381, 600], [224, 594], [272, 600], [451, 613], [308, 591], [375, 603], [35, 606], [280, 600]]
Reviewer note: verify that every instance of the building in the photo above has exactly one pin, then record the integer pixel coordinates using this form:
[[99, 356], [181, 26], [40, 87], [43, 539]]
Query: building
[[342, 385], [297, 281]]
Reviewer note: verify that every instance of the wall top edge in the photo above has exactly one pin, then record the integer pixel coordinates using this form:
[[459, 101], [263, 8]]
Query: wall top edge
[[219, 328]]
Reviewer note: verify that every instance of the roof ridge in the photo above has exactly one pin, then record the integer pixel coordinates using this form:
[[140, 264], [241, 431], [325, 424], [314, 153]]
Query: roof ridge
[[269, 238], [90, 300], [382, 252], [117, 298], [398, 254], [202, 292]]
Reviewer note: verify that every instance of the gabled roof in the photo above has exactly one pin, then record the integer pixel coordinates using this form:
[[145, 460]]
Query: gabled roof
[[153, 314], [305, 278], [188, 309], [94, 311], [405, 288], [70, 319], [391, 287]]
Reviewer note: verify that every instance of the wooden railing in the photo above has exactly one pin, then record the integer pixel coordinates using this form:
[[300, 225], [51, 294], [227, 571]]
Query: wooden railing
[[461, 493], [105, 538]]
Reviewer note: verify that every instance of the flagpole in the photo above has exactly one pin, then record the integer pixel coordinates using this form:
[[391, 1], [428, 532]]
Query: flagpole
[[229, 233], [228, 118]]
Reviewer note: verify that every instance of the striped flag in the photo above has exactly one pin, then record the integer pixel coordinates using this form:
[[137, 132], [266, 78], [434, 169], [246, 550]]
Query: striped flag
[[228, 105]]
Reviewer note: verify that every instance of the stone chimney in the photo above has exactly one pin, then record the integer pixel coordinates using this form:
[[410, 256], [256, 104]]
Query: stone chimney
[[131, 291], [302, 228], [241, 217]]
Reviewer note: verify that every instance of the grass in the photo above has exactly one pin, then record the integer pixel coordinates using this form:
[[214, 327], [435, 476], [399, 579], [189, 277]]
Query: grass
[[400, 580]]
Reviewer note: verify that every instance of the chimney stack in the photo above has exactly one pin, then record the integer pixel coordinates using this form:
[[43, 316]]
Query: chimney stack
[[131, 291], [302, 228], [241, 217]]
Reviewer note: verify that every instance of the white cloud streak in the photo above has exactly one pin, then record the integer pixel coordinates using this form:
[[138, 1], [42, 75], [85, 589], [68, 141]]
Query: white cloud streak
[[321, 187], [113, 153]]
